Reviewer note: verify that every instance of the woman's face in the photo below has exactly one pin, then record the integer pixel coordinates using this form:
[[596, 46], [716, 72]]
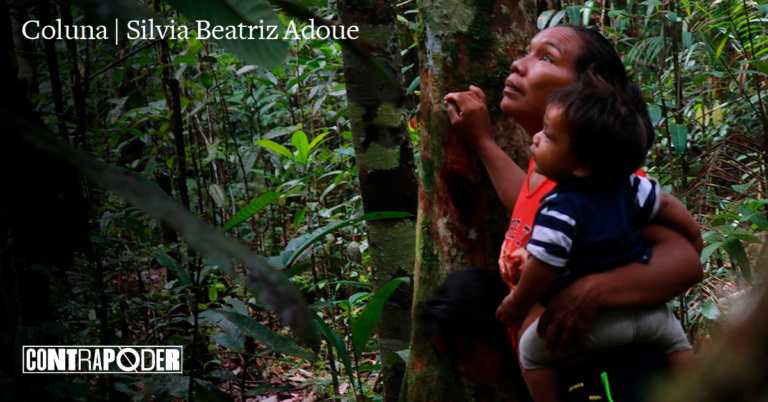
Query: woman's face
[[549, 64]]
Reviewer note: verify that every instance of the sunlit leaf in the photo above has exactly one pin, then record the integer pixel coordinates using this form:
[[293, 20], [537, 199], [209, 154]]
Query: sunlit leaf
[[301, 143], [271, 145]]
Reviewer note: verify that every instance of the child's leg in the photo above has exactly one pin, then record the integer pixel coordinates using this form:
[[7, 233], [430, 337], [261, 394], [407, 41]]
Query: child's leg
[[541, 378], [681, 359], [660, 326], [543, 383]]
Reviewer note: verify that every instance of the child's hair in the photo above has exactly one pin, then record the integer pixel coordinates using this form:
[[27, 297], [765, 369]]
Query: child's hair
[[609, 123], [463, 309]]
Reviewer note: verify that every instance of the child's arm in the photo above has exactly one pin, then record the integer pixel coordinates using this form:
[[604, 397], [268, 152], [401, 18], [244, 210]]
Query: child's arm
[[674, 215], [536, 278]]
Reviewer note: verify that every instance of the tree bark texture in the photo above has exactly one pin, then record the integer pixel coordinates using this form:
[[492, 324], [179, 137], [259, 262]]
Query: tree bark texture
[[27, 70], [52, 60], [461, 221], [385, 164]]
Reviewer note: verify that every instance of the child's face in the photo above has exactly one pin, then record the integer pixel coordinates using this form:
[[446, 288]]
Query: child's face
[[552, 148]]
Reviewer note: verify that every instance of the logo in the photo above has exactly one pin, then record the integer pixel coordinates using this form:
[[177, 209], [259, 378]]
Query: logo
[[103, 359]]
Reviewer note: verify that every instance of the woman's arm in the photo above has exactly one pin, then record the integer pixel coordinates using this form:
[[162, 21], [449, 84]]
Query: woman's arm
[[469, 118], [674, 267]]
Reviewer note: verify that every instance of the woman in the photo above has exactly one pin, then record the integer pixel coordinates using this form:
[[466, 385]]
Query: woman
[[556, 58]]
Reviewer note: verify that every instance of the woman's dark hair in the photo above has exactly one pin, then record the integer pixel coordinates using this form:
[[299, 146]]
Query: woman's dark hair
[[599, 57], [463, 309]]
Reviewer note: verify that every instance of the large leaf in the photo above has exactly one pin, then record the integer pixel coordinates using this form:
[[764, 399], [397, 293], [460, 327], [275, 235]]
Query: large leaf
[[335, 340], [300, 141], [320, 233], [169, 263], [679, 134], [368, 320], [271, 145], [252, 208], [207, 392], [270, 287], [263, 52], [735, 249], [266, 336]]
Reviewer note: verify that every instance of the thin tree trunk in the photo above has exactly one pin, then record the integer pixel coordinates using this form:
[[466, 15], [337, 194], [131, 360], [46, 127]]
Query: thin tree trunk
[[78, 92], [44, 9], [384, 156], [173, 101], [27, 70], [461, 221]]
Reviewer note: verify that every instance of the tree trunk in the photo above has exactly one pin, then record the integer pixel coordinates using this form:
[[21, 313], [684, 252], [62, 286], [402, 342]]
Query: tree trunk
[[384, 156], [461, 222], [27, 70], [52, 60]]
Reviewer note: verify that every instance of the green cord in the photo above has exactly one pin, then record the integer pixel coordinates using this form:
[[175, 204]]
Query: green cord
[[604, 376]]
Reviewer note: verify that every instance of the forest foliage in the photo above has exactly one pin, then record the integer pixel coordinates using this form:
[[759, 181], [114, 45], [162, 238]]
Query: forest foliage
[[230, 218]]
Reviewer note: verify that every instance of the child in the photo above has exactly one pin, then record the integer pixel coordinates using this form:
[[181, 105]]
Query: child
[[594, 138]]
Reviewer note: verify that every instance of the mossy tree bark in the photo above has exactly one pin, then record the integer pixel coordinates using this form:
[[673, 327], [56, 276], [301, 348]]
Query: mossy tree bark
[[384, 156], [461, 221]]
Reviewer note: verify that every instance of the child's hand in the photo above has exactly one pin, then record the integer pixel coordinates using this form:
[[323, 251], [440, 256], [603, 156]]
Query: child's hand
[[510, 313]]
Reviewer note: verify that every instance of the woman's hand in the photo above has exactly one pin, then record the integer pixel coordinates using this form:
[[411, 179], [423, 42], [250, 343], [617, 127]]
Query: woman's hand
[[468, 115], [674, 267], [569, 317]]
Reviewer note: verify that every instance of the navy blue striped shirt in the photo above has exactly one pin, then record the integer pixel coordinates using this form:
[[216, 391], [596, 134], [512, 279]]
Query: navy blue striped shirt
[[585, 226]]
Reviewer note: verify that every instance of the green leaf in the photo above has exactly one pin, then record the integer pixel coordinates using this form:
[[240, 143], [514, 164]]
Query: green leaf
[[573, 14], [218, 195], [298, 218], [263, 52], [206, 79], [233, 344], [273, 290], [335, 340], [207, 392], [710, 310], [213, 293], [541, 22], [709, 250], [586, 12], [266, 336], [170, 263], [414, 84], [651, 3], [720, 49], [557, 18], [320, 233], [679, 134], [271, 145], [299, 140], [252, 208], [655, 112], [368, 320], [317, 140], [735, 249]]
